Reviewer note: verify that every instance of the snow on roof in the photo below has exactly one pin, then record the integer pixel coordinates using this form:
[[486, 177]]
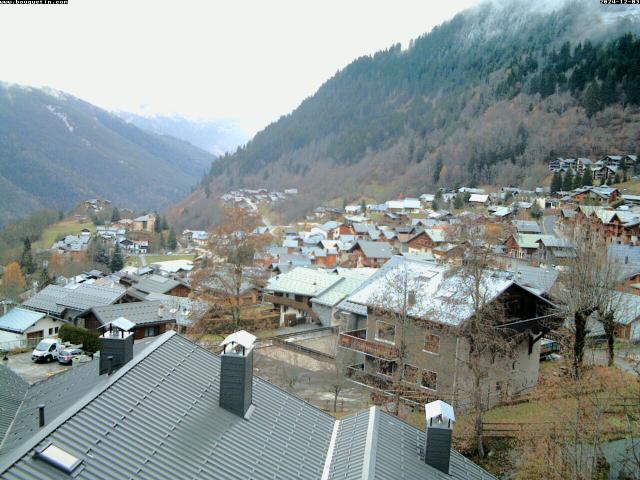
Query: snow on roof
[[439, 295]]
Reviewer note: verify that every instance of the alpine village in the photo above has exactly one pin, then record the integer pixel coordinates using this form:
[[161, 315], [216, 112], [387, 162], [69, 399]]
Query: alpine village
[[429, 269]]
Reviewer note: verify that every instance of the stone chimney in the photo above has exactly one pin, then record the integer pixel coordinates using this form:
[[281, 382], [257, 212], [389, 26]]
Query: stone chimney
[[161, 310], [236, 373], [116, 345], [439, 427]]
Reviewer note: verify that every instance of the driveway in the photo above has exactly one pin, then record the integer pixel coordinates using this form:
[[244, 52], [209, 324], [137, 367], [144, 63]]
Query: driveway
[[32, 372]]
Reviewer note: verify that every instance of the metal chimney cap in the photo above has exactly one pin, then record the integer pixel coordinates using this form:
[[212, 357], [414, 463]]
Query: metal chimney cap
[[242, 338], [439, 409]]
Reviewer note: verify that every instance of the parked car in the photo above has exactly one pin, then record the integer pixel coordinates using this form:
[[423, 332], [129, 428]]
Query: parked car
[[47, 350], [66, 355]]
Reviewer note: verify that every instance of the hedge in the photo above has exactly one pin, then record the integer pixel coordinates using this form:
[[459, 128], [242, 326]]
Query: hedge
[[79, 335]]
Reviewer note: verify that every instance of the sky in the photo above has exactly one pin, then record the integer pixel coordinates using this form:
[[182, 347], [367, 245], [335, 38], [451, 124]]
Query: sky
[[249, 61]]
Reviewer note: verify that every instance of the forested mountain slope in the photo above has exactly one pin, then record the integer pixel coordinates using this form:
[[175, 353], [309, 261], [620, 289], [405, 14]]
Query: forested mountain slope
[[56, 150], [487, 97]]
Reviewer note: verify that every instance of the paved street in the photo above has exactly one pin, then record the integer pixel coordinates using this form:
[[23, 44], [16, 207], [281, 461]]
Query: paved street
[[547, 224], [32, 372]]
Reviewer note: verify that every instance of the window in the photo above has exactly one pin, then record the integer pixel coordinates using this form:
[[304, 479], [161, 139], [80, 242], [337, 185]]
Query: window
[[385, 332], [51, 331], [411, 374], [432, 343], [149, 331], [429, 380], [56, 329], [386, 367]]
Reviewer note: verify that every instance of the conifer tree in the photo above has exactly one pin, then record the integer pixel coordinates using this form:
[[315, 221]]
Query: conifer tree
[[172, 241], [26, 259], [117, 263], [556, 182], [115, 215], [587, 179]]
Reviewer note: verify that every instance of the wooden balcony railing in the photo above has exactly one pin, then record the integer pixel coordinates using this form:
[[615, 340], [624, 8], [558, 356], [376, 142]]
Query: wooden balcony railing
[[300, 306], [356, 340], [357, 374]]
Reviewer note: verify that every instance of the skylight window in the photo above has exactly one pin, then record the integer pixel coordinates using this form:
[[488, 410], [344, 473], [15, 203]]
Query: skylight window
[[58, 458]]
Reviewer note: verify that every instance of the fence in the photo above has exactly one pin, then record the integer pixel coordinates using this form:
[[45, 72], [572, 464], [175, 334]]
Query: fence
[[16, 345]]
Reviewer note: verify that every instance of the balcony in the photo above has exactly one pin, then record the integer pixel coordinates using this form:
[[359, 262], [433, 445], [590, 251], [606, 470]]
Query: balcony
[[357, 340], [357, 374], [300, 306]]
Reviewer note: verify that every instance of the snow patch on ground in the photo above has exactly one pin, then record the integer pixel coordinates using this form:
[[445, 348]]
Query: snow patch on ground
[[62, 116]]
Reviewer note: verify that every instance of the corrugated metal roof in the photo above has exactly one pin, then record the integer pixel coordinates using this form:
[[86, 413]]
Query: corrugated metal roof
[[19, 319], [158, 418], [140, 313], [11, 396], [378, 446], [375, 249], [303, 281], [56, 299]]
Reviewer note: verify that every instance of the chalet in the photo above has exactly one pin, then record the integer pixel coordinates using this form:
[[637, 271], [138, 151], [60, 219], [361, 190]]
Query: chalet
[[406, 205], [145, 223], [22, 328], [292, 293], [148, 319], [160, 284], [325, 304], [66, 303], [215, 423], [196, 237], [437, 309], [582, 165], [370, 254], [425, 240], [330, 230]]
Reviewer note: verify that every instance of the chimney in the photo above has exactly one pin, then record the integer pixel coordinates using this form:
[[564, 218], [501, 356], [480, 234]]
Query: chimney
[[40, 416], [236, 373], [116, 345], [161, 310], [439, 427]]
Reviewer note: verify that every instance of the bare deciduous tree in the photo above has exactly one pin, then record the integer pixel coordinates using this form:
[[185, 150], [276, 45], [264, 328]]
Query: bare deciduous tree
[[587, 287], [482, 331], [233, 244]]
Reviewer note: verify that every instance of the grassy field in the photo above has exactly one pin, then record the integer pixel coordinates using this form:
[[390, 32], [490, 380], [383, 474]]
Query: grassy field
[[166, 258], [60, 229]]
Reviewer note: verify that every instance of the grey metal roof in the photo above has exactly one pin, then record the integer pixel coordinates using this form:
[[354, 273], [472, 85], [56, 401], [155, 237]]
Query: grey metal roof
[[158, 418], [56, 299], [86, 296], [19, 320], [46, 300], [377, 446], [57, 393], [140, 313], [527, 226], [375, 249], [11, 395], [156, 284]]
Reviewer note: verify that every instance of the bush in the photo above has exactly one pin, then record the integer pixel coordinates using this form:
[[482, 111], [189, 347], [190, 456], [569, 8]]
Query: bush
[[79, 335]]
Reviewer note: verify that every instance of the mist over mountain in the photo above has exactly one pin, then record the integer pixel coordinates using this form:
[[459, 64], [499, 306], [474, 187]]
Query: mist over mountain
[[216, 137], [56, 150], [485, 98]]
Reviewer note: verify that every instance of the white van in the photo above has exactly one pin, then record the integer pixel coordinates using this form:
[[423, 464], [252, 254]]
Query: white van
[[47, 350]]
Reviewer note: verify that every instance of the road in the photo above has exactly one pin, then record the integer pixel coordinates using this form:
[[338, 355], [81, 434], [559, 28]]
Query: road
[[548, 223]]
